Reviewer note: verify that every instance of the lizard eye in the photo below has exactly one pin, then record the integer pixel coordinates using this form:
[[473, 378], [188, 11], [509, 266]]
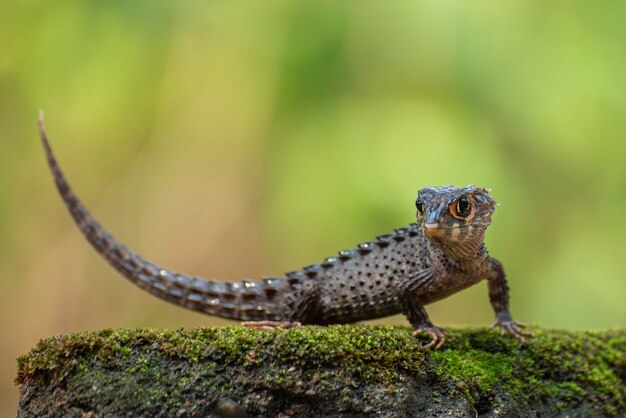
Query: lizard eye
[[420, 206], [462, 208]]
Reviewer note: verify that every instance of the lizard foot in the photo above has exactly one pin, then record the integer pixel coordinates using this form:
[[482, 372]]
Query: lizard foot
[[437, 335], [515, 329], [270, 325]]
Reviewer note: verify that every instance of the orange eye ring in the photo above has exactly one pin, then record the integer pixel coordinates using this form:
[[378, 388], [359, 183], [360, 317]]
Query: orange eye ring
[[463, 208]]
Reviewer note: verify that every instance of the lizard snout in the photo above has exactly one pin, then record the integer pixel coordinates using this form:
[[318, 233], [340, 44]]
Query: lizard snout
[[432, 229]]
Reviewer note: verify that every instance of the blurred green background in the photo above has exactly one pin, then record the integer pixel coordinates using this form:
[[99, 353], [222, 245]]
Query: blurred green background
[[241, 139]]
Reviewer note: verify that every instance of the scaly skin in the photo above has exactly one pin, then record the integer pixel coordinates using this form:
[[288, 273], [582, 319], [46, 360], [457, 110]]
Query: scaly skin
[[440, 254]]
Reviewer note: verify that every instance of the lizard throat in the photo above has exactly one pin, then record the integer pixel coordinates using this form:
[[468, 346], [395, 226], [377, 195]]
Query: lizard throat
[[459, 243]]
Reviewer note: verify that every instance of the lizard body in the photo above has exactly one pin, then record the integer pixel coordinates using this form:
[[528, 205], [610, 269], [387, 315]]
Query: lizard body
[[441, 254]]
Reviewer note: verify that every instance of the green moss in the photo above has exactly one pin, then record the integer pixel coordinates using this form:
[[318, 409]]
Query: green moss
[[161, 369], [567, 367]]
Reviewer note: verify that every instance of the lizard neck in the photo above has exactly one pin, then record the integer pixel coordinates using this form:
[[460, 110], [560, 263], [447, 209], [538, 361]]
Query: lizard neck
[[470, 263], [458, 260]]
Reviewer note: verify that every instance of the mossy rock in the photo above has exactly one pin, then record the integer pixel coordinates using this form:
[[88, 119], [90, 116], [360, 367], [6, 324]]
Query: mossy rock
[[347, 370]]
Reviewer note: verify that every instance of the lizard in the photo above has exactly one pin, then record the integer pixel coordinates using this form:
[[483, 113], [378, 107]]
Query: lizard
[[441, 253]]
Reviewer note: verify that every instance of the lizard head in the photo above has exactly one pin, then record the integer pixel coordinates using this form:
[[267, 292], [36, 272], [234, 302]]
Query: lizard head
[[454, 218]]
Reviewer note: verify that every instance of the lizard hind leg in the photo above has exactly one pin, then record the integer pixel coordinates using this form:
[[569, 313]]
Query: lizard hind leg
[[301, 304], [295, 303]]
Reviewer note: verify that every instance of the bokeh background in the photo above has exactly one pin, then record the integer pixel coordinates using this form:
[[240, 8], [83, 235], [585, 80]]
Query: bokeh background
[[241, 139]]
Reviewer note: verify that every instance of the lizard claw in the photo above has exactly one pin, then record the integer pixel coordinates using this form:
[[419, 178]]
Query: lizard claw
[[437, 335], [515, 329]]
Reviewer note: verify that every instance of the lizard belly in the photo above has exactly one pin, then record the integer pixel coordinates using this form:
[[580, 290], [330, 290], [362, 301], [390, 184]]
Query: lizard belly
[[348, 308]]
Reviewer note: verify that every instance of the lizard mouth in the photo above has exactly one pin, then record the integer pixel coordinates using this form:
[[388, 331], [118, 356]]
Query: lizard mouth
[[434, 230]]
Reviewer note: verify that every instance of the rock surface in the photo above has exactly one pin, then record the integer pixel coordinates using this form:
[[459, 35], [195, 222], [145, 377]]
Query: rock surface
[[347, 370]]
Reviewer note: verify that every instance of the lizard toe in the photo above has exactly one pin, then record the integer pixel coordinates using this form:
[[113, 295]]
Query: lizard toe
[[512, 328], [270, 325], [437, 336]]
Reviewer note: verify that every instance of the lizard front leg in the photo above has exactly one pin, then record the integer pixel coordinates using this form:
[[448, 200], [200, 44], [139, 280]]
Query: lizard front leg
[[417, 316], [499, 298]]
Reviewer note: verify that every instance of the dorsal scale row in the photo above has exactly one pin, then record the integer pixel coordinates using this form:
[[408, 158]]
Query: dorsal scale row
[[362, 250]]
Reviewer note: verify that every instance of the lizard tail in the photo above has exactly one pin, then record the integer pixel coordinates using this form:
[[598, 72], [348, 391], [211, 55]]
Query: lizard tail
[[244, 300]]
